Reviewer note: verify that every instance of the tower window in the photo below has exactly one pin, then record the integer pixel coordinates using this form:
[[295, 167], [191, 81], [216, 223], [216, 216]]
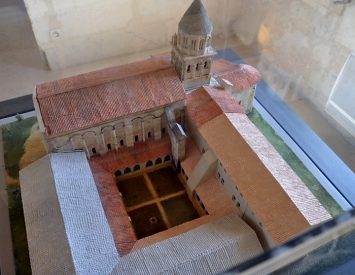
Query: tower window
[[206, 64], [136, 138], [189, 68], [202, 42], [197, 67], [194, 44]]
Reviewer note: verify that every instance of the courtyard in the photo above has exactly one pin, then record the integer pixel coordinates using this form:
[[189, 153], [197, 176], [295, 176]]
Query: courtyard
[[156, 201]]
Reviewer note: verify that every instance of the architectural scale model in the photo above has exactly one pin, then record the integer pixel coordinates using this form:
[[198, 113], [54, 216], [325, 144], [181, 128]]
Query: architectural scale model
[[154, 167]]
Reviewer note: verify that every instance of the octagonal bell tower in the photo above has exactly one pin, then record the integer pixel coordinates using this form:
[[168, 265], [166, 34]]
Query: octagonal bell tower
[[192, 53]]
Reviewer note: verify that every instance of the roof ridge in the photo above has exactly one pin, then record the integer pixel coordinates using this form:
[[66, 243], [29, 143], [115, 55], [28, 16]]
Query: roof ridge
[[87, 85]]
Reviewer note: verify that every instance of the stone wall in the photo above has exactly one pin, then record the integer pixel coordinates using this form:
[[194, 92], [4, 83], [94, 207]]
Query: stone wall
[[75, 32], [303, 44], [113, 135]]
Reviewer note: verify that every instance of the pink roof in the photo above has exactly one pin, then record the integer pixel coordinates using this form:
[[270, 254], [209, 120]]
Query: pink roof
[[242, 76], [206, 103], [86, 100]]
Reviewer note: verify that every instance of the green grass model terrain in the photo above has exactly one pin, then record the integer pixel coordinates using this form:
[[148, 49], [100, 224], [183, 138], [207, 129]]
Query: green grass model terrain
[[15, 135], [296, 164]]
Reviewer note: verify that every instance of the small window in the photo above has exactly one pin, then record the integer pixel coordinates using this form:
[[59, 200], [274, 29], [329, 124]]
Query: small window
[[222, 181], [187, 178], [202, 42], [94, 151], [197, 67], [121, 142], [238, 204], [189, 68], [118, 173], [206, 64], [158, 161], [136, 138], [127, 170], [163, 130], [167, 158], [136, 168], [149, 134], [149, 163], [233, 198], [109, 147]]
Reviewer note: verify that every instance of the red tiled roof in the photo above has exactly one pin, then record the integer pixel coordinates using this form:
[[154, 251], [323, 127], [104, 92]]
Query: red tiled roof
[[206, 103], [86, 100], [103, 76], [122, 230], [242, 76]]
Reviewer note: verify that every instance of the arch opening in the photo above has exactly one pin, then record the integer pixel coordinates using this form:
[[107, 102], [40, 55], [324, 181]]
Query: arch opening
[[118, 173], [158, 161], [149, 163], [167, 158]]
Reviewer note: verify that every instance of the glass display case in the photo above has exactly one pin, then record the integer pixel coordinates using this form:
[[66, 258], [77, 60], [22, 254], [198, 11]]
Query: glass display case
[[65, 87]]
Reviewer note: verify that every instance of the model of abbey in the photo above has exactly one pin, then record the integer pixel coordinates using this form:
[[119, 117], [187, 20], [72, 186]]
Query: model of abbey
[[154, 167]]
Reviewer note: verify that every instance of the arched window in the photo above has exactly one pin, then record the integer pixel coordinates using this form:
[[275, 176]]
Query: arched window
[[197, 67], [167, 158], [158, 161], [93, 150], [149, 163], [136, 168], [202, 44], [149, 134], [189, 68], [118, 173], [127, 170], [194, 44], [206, 64], [121, 142], [109, 147]]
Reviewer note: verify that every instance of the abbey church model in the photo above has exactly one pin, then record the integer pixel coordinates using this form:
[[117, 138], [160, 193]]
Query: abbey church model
[[209, 191]]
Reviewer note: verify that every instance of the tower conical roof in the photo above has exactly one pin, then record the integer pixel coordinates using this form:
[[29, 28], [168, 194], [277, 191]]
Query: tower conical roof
[[195, 20]]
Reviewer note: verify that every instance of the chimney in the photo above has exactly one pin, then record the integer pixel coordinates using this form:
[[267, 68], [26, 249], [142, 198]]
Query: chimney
[[228, 86]]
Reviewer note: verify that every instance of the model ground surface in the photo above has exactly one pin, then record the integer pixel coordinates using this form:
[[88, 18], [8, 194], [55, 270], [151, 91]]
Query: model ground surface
[[14, 137], [156, 201], [22, 138]]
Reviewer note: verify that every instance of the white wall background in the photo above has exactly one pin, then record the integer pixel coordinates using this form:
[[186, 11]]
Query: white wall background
[[72, 32]]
